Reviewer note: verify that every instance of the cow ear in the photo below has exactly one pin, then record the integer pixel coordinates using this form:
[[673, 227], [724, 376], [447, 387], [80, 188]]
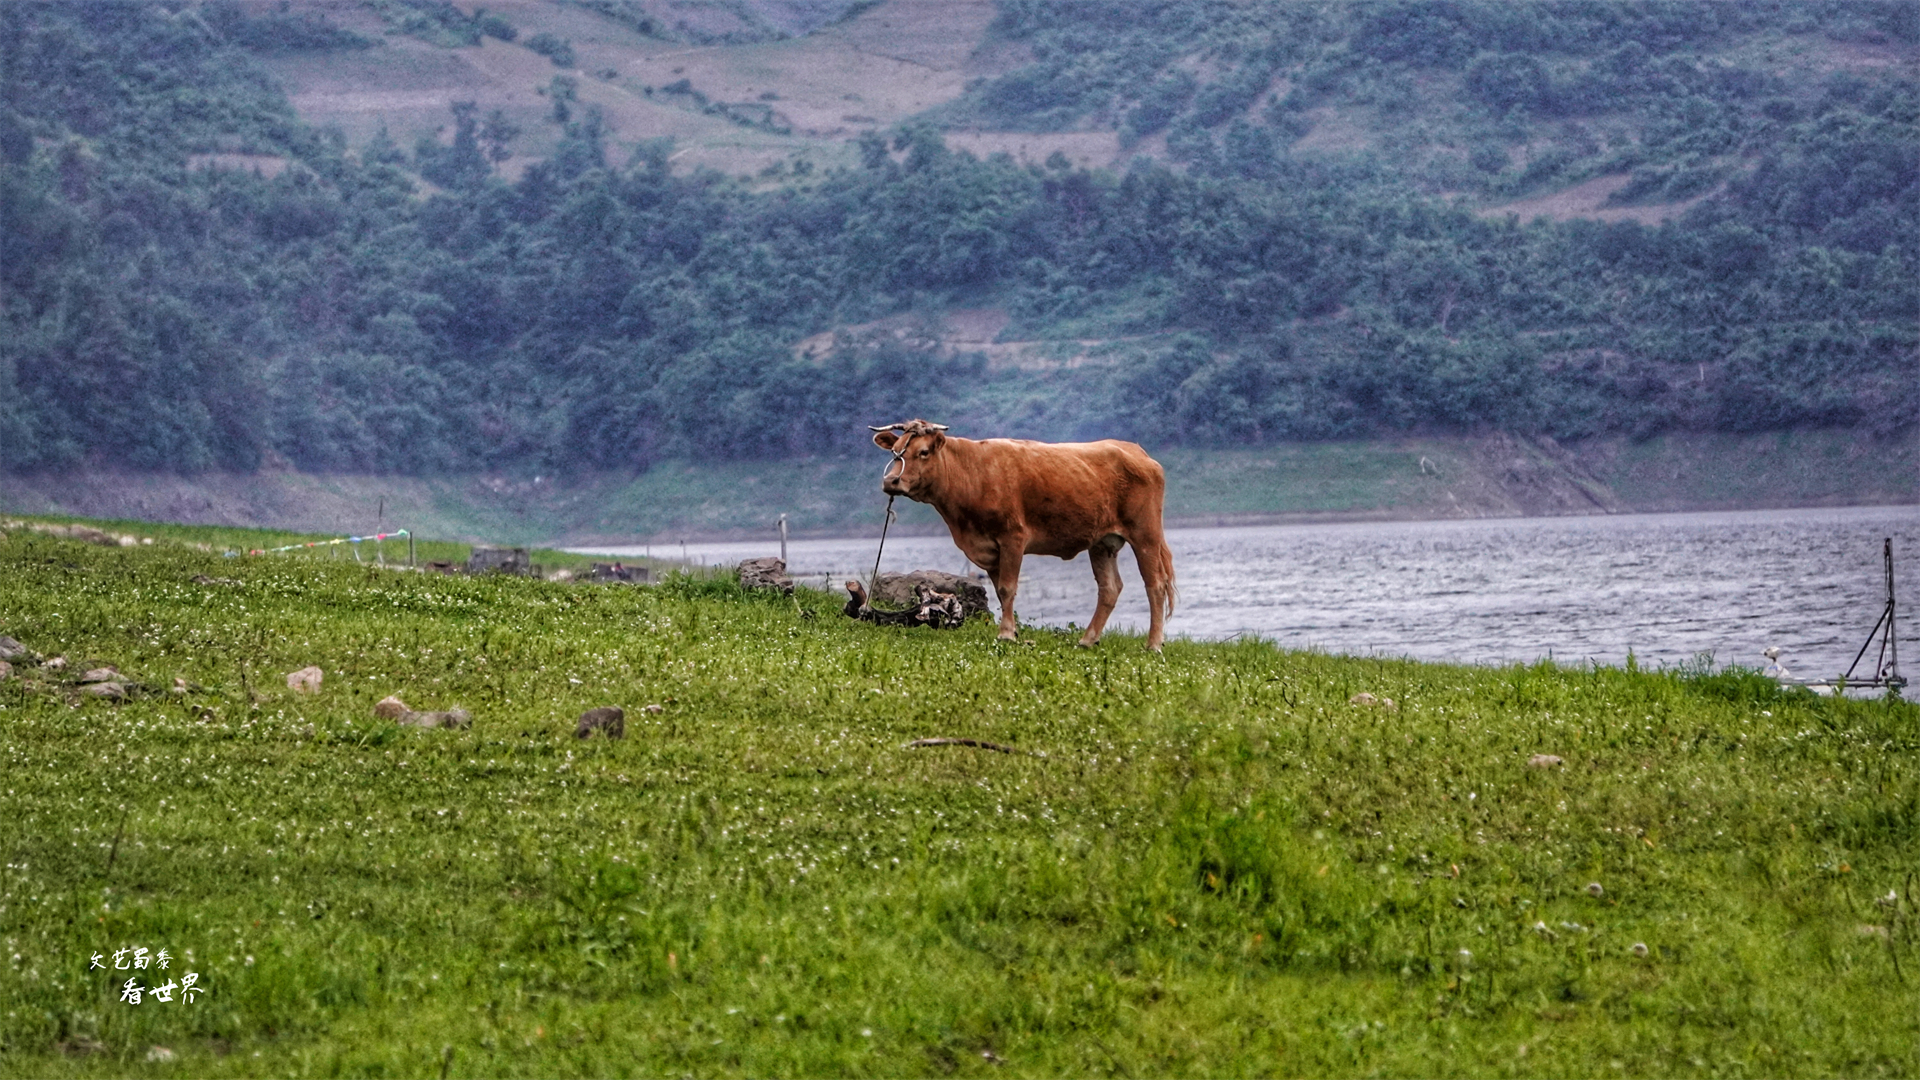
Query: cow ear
[[885, 439]]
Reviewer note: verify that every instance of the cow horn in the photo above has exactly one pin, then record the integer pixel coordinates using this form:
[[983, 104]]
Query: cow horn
[[889, 427], [936, 427]]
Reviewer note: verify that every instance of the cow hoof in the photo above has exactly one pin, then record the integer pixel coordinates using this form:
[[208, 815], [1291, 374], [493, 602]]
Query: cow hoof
[[1088, 643]]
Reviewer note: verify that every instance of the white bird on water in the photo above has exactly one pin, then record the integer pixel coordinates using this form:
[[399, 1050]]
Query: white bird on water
[[1774, 669]]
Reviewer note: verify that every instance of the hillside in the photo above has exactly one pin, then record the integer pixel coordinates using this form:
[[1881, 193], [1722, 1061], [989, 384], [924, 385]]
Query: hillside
[[405, 237]]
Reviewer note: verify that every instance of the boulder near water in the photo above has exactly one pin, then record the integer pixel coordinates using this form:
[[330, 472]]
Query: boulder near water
[[768, 573]]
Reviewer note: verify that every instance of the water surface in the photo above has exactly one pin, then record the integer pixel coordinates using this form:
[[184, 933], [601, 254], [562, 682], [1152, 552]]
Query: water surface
[[1667, 586]]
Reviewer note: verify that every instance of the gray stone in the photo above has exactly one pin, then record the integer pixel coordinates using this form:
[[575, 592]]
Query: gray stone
[[499, 560], [11, 649], [452, 718], [611, 719], [766, 573], [898, 590]]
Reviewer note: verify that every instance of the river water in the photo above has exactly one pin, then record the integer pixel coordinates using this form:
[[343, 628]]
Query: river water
[[1574, 589]]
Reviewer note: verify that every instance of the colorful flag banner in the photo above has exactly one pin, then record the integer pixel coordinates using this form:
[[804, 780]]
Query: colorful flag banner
[[329, 543]]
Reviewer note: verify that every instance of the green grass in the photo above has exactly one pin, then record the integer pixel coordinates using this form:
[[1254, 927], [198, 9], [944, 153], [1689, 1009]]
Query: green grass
[[1220, 867], [242, 541], [1310, 478]]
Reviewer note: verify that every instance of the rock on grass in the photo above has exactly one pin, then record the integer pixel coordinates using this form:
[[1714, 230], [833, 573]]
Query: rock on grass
[[611, 719], [451, 718], [766, 573]]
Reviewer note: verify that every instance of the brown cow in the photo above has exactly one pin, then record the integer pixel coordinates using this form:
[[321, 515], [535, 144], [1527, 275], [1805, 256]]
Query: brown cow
[[1004, 499]]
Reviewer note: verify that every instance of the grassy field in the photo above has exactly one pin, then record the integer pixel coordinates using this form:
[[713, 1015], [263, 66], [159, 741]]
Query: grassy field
[[228, 543], [1220, 866]]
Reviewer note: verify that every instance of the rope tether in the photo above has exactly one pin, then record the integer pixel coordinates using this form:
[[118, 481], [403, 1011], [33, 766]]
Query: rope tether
[[874, 581]]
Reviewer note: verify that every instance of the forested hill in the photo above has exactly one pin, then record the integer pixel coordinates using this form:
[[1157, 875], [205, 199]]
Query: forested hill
[[1297, 245]]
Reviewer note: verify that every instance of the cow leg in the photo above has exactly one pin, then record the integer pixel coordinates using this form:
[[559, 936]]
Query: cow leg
[[1104, 555], [1005, 573], [1156, 572]]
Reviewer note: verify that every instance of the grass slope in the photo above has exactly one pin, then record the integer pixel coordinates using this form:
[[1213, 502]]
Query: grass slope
[[1220, 866]]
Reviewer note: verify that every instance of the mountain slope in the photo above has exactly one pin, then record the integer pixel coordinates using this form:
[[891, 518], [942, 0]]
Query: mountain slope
[[560, 281]]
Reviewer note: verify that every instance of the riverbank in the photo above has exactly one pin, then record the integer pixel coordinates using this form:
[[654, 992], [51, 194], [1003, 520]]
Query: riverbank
[[1228, 859], [1401, 479]]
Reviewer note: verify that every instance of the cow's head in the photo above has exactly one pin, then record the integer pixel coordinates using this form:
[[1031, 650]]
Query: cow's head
[[915, 446]]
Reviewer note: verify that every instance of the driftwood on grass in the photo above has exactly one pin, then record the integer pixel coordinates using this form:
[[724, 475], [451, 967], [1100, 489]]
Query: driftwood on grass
[[903, 590], [942, 611], [980, 744]]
